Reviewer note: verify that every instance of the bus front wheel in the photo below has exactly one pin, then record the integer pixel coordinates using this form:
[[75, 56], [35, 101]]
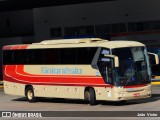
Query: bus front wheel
[[90, 96], [30, 94]]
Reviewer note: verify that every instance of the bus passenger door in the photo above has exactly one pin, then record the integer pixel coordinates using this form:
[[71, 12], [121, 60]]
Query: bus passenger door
[[105, 68], [104, 64]]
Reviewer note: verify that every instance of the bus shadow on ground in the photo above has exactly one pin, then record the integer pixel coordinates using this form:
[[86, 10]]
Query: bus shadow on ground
[[55, 100], [155, 97]]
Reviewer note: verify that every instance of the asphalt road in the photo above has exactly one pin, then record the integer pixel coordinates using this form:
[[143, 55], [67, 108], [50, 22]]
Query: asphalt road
[[16, 103]]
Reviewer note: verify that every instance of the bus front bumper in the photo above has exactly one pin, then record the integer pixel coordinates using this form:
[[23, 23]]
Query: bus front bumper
[[130, 93]]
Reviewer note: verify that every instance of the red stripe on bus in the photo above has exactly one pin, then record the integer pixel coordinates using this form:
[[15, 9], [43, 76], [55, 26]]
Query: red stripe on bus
[[62, 84], [135, 86], [19, 47], [20, 69], [6, 47], [20, 76], [50, 83], [23, 47], [16, 47]]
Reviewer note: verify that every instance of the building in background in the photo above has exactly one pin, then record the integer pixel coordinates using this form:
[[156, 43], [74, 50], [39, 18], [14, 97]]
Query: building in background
[[121, 19], [137, 20]]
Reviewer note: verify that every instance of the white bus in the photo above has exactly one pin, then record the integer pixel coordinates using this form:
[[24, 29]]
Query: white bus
[[91, 69]]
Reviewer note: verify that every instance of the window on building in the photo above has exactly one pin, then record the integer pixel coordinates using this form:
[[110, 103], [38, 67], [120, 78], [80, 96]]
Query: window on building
[[8, 22], [79, 30], [148, 25], [102, 29], [131, 27], [114, 28], [55, 32], [156, 25], [140, 26], [122, 27]]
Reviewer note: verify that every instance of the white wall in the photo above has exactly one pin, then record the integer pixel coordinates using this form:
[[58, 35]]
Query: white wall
[[21, 22], [94, 13]]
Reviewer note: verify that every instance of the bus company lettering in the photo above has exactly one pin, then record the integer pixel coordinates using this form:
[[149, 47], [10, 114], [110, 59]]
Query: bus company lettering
[[46, 70]]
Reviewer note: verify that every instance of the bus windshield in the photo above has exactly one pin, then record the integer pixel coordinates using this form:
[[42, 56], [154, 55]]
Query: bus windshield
[[133, 66]]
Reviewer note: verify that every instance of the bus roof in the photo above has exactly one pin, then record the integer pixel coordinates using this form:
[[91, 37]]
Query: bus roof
[[120, 44], [70, 43]]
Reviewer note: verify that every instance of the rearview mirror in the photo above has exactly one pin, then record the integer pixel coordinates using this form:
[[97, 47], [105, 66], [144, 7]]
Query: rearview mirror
[[153, 59], [115, 58]]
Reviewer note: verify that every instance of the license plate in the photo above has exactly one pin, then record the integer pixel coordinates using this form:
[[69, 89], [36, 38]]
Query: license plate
[[136, 94]]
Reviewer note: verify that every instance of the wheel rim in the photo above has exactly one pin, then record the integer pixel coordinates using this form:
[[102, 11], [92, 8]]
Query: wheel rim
[[30, 94], [87, 95]]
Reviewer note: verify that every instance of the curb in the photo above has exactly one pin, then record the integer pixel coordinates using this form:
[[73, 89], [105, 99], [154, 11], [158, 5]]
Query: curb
[[155, 83]]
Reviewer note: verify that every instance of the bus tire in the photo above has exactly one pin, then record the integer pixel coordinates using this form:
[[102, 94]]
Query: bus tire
[[29, 92], [122, 102], [90, 95]]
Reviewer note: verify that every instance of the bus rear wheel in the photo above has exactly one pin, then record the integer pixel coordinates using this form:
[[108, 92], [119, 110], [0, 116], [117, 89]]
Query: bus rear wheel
[[90, 96], [30, 94]]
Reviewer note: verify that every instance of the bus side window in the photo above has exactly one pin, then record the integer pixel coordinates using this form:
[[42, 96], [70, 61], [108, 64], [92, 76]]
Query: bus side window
[[8, 57], [85, 55], [68, 56], [51, 56]]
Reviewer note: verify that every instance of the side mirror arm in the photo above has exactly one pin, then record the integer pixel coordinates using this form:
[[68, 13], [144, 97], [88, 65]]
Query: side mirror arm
[[116, 59], [154, 57]]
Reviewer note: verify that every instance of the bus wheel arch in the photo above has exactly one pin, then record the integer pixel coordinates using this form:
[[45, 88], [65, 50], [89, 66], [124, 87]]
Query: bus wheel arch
[[29, 93], [90, 95]]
